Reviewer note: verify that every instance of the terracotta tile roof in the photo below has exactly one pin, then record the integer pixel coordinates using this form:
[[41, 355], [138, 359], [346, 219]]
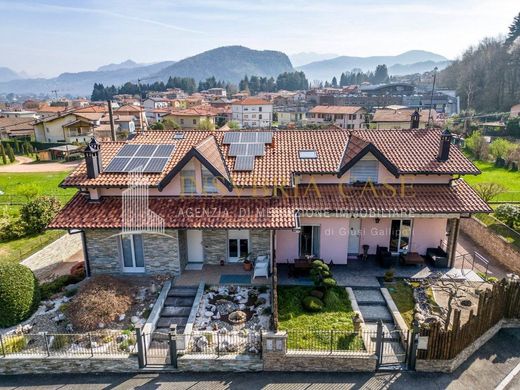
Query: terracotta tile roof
[[335, 110], [228, 212], [251, 101], [91, 116], [415, 151], [52, 109], [401, 115], [410, 151], [193, 111], [92, 109], [210, 150], [128, 108], [6, 122]]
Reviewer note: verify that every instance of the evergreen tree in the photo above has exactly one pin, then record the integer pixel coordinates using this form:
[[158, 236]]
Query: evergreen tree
[[334, 82], [381, 74], [514, 30], [2, 154], [10, 153]]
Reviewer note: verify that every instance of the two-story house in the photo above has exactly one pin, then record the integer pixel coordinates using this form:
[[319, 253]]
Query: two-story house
[[191, 118], [347, 117], [220, 195], [252, 112]]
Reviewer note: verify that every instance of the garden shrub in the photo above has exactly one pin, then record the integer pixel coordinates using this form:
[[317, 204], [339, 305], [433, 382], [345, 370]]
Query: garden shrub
[[509, 214], [100, 300], [11, 228], [321, 275], [60, 341], [38, 213], [312, 304], [328, 283], [56, 286], [14, 344], [19, 294]]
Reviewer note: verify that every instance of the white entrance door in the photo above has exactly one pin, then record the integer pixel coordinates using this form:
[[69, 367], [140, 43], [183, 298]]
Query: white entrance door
[[195, 253], [353, 237], [238, 244]]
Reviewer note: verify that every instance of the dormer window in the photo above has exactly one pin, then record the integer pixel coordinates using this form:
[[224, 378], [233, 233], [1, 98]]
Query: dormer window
[[308, 154], [188, 185], [208, 182], [365, 171]]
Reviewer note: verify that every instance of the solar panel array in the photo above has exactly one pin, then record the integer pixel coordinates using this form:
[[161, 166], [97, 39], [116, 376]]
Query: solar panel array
[[149, 158], [245, 146]]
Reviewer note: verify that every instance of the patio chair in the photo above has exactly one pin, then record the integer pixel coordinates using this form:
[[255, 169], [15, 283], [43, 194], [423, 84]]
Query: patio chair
[[261, 267]]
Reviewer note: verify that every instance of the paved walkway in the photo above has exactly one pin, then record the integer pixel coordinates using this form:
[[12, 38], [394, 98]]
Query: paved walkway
[[26, 164]]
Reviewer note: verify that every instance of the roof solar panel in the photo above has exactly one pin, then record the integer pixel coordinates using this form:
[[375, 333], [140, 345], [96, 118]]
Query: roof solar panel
[[135, 163], [256, 149], [117, 164], [244, 163], [128, 150], [146, 150], [237, 149], [265, 137], [231, 137], [248, 137], [164, 150], [156, 164]]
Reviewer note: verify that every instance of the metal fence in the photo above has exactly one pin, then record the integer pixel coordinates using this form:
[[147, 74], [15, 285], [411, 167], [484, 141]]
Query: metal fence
[[330, 341], [106, 343], [224, 343]]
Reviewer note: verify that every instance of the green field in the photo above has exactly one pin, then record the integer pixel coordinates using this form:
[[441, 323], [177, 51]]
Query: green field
[[491, 174], [12, 186]]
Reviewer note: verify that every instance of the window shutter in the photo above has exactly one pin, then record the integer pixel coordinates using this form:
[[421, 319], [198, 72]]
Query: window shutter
[[364, 170]]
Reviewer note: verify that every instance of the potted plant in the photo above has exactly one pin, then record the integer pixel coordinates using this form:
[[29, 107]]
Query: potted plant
[[247, 264]]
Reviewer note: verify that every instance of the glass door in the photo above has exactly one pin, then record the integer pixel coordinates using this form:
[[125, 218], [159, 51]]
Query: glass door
[[238, 245], [132, 253], [400, 235]]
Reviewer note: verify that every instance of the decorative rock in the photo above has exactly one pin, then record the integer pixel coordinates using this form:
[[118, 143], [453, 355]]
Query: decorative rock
[[69, 328], [134, 319], [101, 325], [419, 317], [121, 317]]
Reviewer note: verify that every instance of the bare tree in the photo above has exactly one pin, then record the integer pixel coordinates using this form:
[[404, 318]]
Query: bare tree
[[489, 191]]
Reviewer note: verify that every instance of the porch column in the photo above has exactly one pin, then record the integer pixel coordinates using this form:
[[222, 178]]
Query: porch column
[[453, 237]]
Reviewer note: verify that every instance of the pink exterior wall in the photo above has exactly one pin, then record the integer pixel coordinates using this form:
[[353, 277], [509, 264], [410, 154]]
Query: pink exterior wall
[[334, 234]]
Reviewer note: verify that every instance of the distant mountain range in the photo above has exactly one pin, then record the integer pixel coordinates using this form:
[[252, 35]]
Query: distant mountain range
[[229, 63], [304, 58], [7, 74], [414, 61]]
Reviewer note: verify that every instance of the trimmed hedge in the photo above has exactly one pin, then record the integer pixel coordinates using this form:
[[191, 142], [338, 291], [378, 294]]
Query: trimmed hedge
[[312, 304], [19, 294]]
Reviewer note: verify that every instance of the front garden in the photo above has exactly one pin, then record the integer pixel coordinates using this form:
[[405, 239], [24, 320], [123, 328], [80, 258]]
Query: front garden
[[318, 317]]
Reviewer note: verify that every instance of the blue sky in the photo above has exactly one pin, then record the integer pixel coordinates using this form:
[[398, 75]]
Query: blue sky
[[50, 37]]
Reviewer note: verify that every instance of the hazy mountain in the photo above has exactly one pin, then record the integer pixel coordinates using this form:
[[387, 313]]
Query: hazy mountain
[[326, 69], [128, 64], [229, 63], [7, 74], [418, 67], [304, 58], [81, 83]]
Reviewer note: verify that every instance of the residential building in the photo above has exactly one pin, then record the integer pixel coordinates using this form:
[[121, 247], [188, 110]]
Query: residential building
[[515, 111], [218, 92], [295, 114], [31, 115], [400, 119], [346, 117], [156, 102], [190, 118], [253, 112], [16, 127], [221, 195]]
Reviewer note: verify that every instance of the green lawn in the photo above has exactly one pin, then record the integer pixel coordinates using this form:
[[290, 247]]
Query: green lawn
[[402, 294], [317, 331], [491, 174], [12, 186]]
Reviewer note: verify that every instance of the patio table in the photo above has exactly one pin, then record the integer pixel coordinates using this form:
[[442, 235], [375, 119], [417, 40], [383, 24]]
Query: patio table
[[411, 258]]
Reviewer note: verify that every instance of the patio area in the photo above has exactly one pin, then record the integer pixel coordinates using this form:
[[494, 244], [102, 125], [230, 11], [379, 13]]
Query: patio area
[[364, 273], [219, 274]]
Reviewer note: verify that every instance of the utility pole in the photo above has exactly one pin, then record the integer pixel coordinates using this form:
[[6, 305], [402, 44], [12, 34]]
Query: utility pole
[[431, 99]]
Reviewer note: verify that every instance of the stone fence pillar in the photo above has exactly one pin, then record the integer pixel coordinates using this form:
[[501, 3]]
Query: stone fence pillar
[[274, 349]]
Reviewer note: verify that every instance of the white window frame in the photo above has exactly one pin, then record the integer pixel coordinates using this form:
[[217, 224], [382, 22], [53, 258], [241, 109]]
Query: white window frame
[[205, 174], [134, 268], [185, 173]]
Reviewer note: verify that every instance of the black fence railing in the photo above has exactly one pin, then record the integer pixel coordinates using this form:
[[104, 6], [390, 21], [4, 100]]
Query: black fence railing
[[106, 343], [219, 343], [310, 340]]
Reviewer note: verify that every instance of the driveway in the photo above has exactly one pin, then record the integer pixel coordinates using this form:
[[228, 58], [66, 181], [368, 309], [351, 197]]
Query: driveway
[[26, 164], [485, 369]]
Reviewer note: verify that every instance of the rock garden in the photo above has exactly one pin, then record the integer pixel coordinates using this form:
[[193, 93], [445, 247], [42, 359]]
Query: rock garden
[[230, 319], [97, 315]]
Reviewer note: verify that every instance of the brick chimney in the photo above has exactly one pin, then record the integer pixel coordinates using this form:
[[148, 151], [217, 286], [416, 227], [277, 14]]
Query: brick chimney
[[414, 120], [93, 158], [444, 146]]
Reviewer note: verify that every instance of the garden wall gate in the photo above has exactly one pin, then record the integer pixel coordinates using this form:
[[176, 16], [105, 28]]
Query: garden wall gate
[[157, 348], [395, 349]]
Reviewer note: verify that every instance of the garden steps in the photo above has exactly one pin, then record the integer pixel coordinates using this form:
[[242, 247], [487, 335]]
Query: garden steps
[[372, 304], [177, 308]]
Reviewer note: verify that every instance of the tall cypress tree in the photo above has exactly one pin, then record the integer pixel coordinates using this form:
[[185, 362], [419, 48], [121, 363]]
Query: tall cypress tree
[[2, 154]]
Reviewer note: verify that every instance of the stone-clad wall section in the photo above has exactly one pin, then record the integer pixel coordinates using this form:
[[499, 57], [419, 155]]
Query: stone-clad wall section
[[214, 244], [260, 242], [161, 253], [501, 250], [44, 365]]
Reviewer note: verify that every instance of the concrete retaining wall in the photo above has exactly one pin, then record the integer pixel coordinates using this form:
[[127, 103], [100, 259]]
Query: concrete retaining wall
[[56, 252], [501, 250]]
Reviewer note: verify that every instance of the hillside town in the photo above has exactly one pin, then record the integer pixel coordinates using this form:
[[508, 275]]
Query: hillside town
[[242, 218]]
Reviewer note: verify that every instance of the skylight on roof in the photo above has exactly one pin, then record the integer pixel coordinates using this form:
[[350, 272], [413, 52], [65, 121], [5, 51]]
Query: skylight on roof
[[308, 154]]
